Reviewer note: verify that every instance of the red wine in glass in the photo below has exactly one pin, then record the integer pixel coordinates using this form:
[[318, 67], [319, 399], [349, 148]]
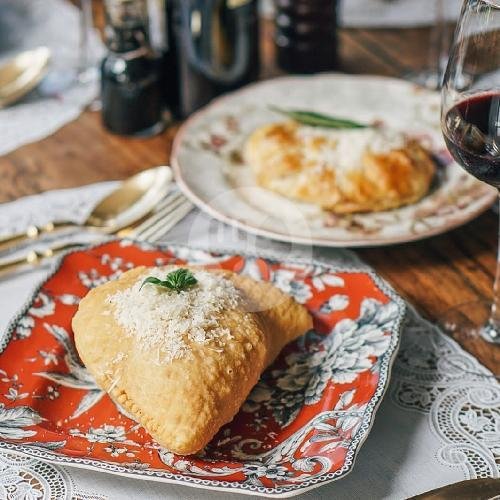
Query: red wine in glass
[[470, 121], [472, 134]]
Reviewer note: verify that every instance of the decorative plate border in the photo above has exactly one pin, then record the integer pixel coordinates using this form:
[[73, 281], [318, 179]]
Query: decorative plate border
[[387, 360], [275, 235]]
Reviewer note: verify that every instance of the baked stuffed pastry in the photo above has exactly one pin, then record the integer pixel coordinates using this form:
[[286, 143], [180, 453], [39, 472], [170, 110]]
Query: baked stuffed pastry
[[182, 362], [344, 171]]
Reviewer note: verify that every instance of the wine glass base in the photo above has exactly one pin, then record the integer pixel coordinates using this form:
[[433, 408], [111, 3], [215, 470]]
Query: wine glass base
[[470, 321]]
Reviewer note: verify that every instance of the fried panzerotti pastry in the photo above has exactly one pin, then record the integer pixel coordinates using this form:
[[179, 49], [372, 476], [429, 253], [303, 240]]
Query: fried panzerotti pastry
[[181, 355], [344, 171]]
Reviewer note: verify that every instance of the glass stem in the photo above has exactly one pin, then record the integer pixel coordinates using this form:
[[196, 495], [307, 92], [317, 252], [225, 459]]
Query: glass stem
[[85, 29], [434, 54], [445, 36], [495, 308]]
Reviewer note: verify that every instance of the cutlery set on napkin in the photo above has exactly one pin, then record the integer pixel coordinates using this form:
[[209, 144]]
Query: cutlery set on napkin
[[144, 208]]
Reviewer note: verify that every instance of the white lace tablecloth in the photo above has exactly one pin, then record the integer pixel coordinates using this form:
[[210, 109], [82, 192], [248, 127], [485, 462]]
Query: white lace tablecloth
[[27, 24], [435, 425]]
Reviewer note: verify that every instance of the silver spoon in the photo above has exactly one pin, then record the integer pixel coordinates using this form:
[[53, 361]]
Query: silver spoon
[[128, 203]]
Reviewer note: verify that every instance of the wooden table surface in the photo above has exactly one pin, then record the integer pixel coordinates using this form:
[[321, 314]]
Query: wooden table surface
[[433, 274]]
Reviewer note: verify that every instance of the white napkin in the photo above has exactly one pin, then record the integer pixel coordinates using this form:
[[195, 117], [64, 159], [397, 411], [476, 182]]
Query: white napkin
[[27, 24]]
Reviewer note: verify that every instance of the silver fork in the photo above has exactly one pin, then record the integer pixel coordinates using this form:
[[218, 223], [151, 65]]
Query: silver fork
[[171, 210]]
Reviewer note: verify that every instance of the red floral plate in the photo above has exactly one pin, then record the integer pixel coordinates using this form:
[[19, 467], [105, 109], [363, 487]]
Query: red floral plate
[[301, 426]]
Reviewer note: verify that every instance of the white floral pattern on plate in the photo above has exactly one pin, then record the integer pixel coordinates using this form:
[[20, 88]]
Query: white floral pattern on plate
[[346, 352], [14, 420], [293, 440], [208, 163]]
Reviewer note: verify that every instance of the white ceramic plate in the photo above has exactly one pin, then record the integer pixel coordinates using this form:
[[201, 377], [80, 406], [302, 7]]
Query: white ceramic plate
[[209, 169]]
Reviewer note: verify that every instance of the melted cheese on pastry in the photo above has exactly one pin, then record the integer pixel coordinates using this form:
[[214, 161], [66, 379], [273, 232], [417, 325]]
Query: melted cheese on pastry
[[345, 171]]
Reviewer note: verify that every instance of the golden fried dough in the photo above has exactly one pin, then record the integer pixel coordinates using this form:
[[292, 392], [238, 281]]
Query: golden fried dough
[[182, 403], [344, 171]]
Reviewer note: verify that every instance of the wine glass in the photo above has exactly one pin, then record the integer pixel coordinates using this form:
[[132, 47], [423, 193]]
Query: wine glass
[[87, 66], [443, 13], [75, 63], [470, 121]]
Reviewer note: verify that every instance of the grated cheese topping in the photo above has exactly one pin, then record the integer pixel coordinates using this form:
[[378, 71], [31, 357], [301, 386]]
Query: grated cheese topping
[[344, 149], [166, 321]]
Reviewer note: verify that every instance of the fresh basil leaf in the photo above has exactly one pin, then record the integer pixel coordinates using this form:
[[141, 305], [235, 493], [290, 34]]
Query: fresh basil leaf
[[177, 280], [152, 280], [180, 279]]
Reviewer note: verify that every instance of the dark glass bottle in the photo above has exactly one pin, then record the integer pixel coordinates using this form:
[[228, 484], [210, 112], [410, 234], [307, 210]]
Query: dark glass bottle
[[214, 48], [170, 63], [130, 82], [161, 40], [306, 35]]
